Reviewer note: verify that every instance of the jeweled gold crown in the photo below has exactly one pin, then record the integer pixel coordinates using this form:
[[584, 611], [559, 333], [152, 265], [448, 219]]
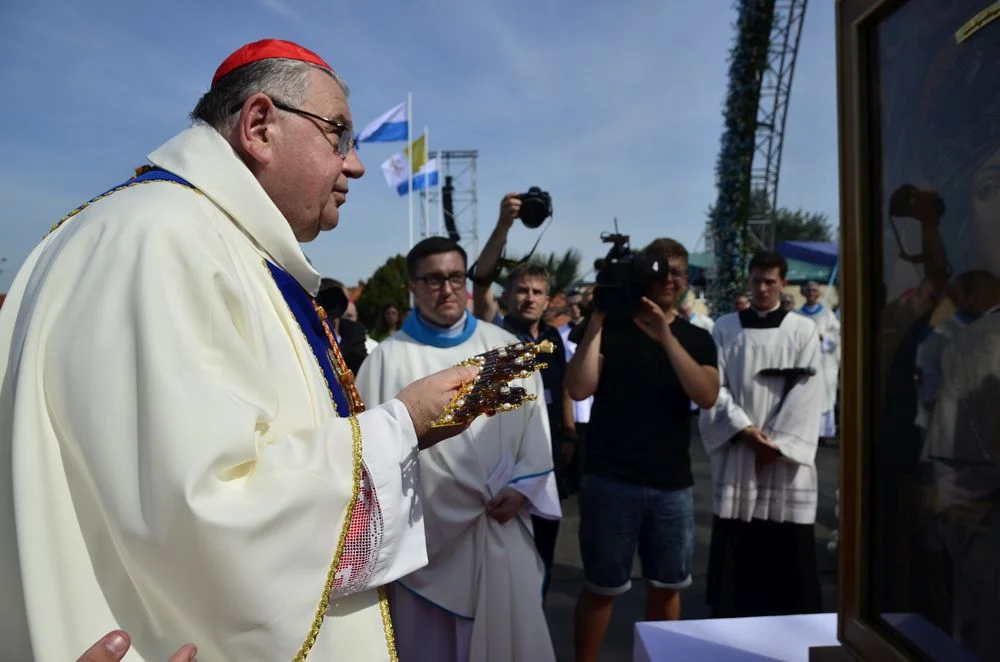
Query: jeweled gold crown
[[490, 392]]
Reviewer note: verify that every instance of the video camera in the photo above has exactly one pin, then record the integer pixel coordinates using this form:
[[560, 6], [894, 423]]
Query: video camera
[[536, 206], [622, 276]]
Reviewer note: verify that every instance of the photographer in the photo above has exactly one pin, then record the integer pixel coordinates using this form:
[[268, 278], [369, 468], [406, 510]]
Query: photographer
[[526, 294], [643, 369], [487, 267]]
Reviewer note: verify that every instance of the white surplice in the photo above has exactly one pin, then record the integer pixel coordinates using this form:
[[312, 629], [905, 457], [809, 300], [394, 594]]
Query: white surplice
[[173, 463], [485, 575], [829, 335], [786, 489]]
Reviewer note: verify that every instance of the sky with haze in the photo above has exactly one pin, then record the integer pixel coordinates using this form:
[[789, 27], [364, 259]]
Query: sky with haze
[[616, 109]]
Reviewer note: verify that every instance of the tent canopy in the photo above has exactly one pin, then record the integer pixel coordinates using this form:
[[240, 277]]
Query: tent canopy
[[821, 253], [798, 270]]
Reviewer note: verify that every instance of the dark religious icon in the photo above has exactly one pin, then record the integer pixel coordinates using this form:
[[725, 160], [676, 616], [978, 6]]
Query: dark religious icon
[[490, 392]]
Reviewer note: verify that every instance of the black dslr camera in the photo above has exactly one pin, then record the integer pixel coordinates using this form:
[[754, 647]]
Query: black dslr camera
[[536, 206], [622, 276]]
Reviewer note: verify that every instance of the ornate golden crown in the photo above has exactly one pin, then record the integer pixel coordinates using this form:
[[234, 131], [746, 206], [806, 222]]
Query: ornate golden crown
[[490, 392]]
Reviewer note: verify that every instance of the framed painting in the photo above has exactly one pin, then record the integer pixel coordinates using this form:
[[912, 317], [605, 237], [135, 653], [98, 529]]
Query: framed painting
[[919, 94]]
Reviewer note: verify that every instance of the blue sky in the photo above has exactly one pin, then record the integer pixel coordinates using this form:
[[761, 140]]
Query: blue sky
[[615, 110]]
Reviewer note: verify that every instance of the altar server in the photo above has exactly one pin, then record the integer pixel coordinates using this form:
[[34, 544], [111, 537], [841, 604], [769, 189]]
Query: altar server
[[480, 595], [761, 437], [828, 325], [186, 456]]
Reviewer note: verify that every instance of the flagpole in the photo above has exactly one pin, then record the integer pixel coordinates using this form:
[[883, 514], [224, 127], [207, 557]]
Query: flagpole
[[440, 215], [409, 141], [426, 189]]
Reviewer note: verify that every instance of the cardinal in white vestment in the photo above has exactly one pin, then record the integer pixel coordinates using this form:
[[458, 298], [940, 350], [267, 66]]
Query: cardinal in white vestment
[[828, 325], [480, 595], [186, 457], [761, 438]]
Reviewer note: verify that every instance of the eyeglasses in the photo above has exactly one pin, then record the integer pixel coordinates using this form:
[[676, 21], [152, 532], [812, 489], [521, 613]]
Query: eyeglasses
[[437, 281], [346, 141], [676, 274]]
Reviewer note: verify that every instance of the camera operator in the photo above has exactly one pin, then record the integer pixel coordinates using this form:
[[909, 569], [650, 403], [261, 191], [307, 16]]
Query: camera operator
[[643, 370], [526, 295]]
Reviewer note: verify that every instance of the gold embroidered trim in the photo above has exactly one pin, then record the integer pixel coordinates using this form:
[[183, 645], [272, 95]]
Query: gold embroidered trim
[[79, 209], [324, 601], [357, 406], [977, 22], [390, 634]]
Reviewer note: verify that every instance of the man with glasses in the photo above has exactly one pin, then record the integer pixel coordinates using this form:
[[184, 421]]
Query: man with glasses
[[636, 492], [191, 459], [479, 597]]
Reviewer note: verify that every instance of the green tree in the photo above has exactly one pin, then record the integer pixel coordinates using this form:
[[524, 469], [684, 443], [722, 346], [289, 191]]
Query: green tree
[[564, 270], [791, 224], [794, 224], [387, 285]]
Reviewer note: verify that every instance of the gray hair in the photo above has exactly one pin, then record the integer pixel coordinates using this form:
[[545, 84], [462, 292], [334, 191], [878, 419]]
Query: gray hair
[[283, 79]]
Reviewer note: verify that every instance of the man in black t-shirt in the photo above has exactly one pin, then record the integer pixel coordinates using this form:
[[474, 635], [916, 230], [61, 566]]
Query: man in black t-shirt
[[636, 491]]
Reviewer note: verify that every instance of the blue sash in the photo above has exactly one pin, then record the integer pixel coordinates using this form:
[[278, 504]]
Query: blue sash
[[301, 305]]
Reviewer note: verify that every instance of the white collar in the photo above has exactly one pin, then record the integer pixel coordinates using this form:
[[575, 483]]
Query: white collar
[[202, 156], [765, 313]]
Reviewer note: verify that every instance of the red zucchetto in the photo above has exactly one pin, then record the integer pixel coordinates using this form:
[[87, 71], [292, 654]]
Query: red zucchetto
[[265, 50]]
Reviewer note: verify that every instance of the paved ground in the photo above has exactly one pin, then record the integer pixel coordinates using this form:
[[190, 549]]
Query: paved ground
[[566, 575]]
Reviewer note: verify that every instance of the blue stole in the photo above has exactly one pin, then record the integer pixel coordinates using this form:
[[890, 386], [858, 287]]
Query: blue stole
[[815, 311], [301, 304], [963, 318], [426, 333]]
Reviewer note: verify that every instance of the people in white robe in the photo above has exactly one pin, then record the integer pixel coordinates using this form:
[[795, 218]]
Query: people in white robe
[[829, 336], [963, 442], [761, 437], [788, 302], [687, 311], [961, 292], [187, 457], [480, 595]]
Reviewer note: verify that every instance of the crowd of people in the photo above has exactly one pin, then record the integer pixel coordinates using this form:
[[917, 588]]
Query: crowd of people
[[216, 451]]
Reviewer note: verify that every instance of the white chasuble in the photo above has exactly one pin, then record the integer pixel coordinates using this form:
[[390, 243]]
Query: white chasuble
[[479, 571], [785, 490], [175, 463]]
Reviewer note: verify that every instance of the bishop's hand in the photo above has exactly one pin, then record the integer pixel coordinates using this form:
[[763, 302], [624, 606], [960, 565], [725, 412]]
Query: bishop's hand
[[426, 398], [113, 646]]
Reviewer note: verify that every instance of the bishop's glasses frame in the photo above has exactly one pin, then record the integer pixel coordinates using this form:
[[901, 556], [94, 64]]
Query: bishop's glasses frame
[[346, 140]]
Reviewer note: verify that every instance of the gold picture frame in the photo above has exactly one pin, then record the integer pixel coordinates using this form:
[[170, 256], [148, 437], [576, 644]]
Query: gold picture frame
[[861, 93]]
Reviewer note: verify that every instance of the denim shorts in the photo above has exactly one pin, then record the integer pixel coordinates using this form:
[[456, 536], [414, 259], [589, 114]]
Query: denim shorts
[[616, 518]]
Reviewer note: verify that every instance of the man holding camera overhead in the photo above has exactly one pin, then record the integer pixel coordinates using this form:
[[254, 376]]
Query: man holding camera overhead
[[526, 294], [644, 364]]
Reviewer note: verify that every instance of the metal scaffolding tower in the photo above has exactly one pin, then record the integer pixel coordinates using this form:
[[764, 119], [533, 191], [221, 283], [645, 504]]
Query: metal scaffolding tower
[[772, 111], [456, 168]]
